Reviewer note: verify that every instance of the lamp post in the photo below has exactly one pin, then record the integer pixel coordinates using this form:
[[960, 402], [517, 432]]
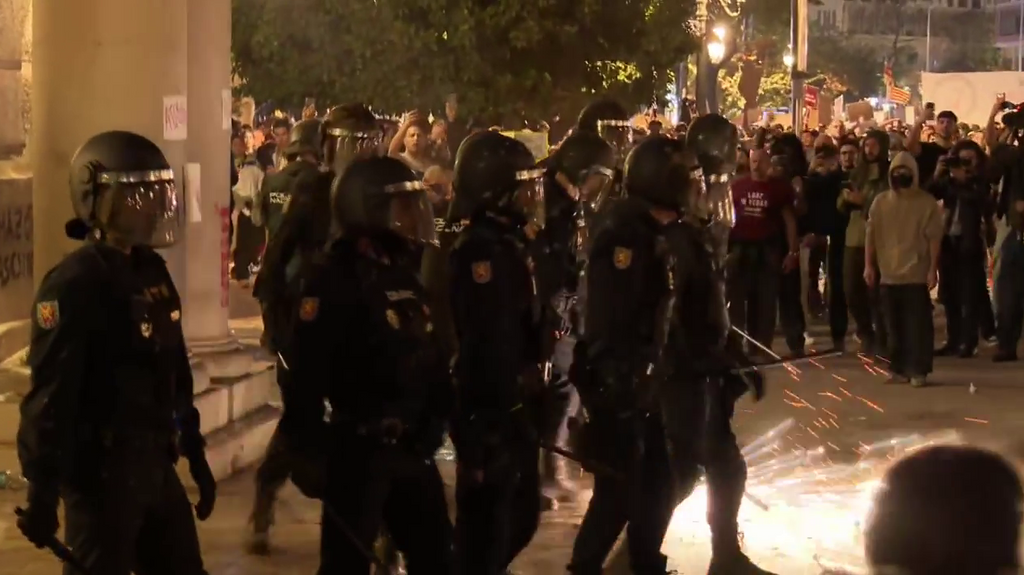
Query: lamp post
[[714, 51]]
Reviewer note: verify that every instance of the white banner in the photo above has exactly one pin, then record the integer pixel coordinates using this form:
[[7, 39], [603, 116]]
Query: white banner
[[970, 95]]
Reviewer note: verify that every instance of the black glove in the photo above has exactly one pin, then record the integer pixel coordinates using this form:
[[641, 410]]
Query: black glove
[[200, 471], [38, 521], [750, 380]]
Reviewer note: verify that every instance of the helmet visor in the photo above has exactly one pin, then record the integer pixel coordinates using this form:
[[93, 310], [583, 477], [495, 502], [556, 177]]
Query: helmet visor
[[140, 208], [350, 145], [616, 133], [721, 209], [410, 214], [596, 187], [529, 198]]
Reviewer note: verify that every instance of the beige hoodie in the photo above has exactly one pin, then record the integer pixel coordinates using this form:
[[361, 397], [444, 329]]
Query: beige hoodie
[[902, 226]]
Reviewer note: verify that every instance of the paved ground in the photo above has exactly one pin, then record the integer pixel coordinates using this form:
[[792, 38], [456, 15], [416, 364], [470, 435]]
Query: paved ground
[[814, 502]]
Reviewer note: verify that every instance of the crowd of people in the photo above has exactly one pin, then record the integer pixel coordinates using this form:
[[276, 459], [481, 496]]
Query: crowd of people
[[608, 304]]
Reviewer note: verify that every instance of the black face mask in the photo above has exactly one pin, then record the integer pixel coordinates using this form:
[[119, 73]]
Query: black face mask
[[902, 181]]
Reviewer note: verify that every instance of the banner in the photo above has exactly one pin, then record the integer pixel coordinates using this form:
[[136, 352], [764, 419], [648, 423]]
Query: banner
[[970, 95]]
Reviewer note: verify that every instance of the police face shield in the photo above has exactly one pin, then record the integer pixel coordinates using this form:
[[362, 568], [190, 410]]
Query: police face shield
[[718, 193], [350, 145], [139, 208], [596, 187], [616, 133], [410, 214], [529, 198]]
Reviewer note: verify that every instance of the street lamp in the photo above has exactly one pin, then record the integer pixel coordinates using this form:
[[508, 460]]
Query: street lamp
[[716, 45], [716, 51], [788, 59]]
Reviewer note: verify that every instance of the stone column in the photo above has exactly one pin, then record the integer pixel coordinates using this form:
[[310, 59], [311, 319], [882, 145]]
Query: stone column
[[98, 65], [205, 315]]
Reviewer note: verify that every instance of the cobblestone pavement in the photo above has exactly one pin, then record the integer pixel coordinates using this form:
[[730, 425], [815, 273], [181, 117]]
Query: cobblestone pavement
[[836, 403]]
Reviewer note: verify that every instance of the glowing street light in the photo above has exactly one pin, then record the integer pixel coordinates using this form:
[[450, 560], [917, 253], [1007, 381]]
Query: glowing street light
[[716, 44], [788, 59], [716, 51]]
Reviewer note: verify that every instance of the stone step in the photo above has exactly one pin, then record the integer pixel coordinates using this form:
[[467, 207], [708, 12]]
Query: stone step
[[235, 395], [237, 446]]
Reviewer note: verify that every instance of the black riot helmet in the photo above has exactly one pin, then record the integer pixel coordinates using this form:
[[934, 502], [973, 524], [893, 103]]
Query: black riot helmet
[[379, 194], [715, 141], [661, 172], [589, 163], [608, 119], [495, 173], [306, 137], [123, 192], [350, 131]]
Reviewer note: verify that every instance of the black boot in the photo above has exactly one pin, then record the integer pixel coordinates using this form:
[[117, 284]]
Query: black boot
[[735, 563], [262, 518], [1003, 356]]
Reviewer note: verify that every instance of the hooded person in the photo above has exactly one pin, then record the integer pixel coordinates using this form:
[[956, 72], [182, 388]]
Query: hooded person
[[903, 239], [868, 179]]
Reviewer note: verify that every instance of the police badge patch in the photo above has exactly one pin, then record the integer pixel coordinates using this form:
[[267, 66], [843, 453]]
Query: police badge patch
[[47, 314], [309, 308], [622, 257], [392, 318], [146, 328], [482, 272]]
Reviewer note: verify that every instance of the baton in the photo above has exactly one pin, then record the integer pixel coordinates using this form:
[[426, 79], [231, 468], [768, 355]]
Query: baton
[[596, 467], [351, 536], [782, 361], [60, 550]]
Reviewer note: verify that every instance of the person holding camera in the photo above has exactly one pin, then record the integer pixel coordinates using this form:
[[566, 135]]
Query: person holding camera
[[968, 229]]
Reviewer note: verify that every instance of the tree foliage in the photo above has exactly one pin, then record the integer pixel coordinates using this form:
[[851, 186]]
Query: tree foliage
[[509, 58]]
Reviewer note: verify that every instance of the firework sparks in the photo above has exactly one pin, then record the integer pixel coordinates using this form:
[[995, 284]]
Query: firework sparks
[[813, 508]]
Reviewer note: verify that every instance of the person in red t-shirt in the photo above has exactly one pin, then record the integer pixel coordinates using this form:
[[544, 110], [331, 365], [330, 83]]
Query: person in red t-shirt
[[765, 223]]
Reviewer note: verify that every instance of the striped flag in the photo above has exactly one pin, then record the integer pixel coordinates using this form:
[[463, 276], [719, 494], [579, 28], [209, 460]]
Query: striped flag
[[894, 93], [897, 95]]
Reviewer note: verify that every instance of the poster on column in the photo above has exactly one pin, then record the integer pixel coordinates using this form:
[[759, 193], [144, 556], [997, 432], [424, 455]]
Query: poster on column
[[225, 109], [175, 118], [193, 180]]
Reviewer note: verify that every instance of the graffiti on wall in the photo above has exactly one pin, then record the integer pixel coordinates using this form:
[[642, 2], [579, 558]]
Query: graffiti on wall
[[15, 243]]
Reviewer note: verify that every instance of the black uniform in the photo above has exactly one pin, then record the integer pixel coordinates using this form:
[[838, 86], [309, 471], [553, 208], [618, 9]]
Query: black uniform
[[303, 232], [626, 284], [497, 319], [364, 341], [586, 163], [660, 351], [111, 382]]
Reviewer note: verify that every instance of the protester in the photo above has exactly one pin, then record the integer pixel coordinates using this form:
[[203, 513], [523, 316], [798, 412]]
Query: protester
[[903, 238]]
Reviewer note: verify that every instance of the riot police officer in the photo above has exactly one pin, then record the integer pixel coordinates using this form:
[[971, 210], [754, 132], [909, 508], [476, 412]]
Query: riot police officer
[[348, 132], [655, 275], [365, 342], [497, 319], [628, 290], [578, 179], [303, 156], [111, 383]]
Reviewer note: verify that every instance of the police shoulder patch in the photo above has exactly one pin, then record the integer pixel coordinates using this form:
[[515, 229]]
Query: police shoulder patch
[[482, 272], [622, 257], [309, 308], [47, 314], [392, 318]]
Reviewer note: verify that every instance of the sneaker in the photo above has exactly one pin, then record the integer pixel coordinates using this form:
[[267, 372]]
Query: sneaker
[[967, 353], [918, 381], [947, 350], [896, 379]]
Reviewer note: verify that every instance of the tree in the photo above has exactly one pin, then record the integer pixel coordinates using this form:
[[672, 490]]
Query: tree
[[969, 42], [506, 58]]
